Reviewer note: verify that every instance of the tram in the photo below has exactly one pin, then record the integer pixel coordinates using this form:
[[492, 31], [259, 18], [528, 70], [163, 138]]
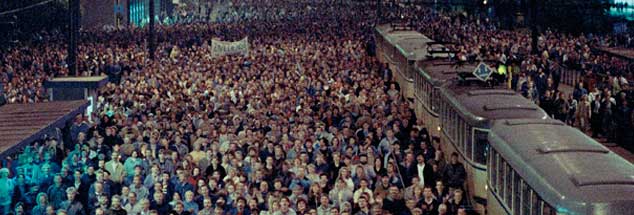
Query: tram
[[429, 77], [543, 167], [401, 50], [467, 110], [518, 160]]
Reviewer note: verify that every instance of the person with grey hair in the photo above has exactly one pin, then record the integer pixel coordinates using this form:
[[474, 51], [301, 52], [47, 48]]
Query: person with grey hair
[[72, 205]]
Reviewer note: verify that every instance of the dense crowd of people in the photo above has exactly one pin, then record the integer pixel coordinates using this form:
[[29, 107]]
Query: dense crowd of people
[[307, 123], [602, 99]]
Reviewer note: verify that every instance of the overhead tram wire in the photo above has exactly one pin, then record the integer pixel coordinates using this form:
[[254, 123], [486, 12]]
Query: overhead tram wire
[[25, 8]]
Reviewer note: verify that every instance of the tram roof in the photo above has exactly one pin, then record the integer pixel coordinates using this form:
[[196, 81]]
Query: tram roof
[[479, 104], [439, 70], [411, 44], [566, 167]]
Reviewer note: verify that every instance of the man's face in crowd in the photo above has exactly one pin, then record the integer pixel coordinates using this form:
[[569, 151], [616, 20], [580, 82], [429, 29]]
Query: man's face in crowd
[[132, 198], [70, 196], [427, 193], [324, 200], [363, 159], [420, 159], [158, 197], [393, 192], [116, 203], [363, 183], [363, 203], [207, 203], [179, 207]]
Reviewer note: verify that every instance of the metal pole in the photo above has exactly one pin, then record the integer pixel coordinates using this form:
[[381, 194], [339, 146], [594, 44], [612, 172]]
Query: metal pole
[[73, 36], [534, 30], [151, 41]]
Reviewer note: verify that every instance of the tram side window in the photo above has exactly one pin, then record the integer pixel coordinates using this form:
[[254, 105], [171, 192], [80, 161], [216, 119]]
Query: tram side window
[[449, 121], [509, 186], [526, 199], [517, 193], [501, 176], [548, 210], [461, 137], [445, 107], [417, 86], [468, 141], [493, 171], [489, 168], [435, 97], [481, 146], [428, 99], [427, 93], [453, 126], [536, 204], [420, 87], [442, 115], [422, 91]]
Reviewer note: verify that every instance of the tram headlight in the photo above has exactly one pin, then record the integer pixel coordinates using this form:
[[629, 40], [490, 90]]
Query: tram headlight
[[486, 187], [438, 128]]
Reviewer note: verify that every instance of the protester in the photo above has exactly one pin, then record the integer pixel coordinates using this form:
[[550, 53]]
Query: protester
[[307, 122]]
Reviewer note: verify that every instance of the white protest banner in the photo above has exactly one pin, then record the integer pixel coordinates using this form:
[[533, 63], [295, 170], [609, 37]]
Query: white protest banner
[[221, 48]]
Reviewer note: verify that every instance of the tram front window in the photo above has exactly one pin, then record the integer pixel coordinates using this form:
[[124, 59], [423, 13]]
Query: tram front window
[[480, 145]]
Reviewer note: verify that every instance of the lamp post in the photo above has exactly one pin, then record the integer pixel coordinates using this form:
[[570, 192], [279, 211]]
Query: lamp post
[[534, 30], [151, 42], [73, 36]]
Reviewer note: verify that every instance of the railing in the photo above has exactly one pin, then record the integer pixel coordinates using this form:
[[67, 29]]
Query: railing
[[571, 76]]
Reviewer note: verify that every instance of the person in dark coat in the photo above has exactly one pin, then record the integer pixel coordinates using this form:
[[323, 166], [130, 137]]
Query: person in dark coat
[[454, 174], [457, 202], [541, 81], [72, 205], [394, 204], [159, 204], [595, 117], [548, 103]]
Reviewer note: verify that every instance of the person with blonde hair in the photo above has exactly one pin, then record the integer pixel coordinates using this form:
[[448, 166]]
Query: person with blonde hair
[[42, 203]]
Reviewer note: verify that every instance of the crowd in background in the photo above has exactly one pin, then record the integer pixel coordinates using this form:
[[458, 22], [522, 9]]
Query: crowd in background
[[308, 123], [602, 99]]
